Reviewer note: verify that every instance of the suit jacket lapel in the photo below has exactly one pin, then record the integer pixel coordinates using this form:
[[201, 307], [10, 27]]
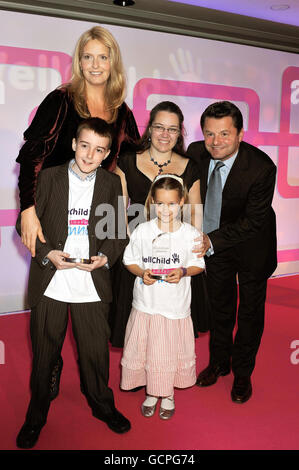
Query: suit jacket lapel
[[204, 177], [236, 176]]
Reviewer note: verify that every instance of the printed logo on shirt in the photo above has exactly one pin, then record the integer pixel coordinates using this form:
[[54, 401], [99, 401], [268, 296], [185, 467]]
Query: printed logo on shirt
[[77, 230], [78, 226], [78, 211], [79, 222], [175, 258]]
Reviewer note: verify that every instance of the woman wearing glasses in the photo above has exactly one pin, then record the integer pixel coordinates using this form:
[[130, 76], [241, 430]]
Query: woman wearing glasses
[[160, 150]]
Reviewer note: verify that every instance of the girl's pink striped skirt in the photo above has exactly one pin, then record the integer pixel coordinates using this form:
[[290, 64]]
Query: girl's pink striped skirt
[[158, 353]]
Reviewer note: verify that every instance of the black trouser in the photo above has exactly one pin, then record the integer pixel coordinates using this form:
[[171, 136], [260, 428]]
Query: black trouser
[[239, 351], [48, 327]]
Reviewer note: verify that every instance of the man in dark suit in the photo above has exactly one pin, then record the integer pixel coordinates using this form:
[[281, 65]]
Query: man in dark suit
[[239, 243], [69, 199]]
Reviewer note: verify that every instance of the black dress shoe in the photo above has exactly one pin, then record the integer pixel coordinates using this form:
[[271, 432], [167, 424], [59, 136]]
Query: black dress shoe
[[115, 421], [210, 375], [28, 436], [55, 379], [242, 389]]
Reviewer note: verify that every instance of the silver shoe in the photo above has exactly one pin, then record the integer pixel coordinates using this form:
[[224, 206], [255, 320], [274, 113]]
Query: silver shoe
[[167, 414], [148, 411]]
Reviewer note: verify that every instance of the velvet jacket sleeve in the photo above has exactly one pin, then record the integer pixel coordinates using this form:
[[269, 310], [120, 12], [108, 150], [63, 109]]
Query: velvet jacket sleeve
[[40, 140], [126, 134], [130, 132], [42, 249]]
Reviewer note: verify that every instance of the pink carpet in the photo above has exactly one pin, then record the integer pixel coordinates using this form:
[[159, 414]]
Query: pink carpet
[[205, 419]]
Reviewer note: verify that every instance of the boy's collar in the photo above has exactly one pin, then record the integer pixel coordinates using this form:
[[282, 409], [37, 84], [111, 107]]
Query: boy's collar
[[89, 177]]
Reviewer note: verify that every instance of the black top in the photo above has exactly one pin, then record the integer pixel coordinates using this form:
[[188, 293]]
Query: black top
[[138, 184], [48, 139]]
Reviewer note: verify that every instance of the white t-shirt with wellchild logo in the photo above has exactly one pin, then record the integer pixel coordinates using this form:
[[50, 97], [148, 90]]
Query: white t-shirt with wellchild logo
[[170, 300], [75, 285]]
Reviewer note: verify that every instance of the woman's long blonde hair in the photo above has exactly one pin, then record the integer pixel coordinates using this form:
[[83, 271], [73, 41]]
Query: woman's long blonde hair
[[116, 84]]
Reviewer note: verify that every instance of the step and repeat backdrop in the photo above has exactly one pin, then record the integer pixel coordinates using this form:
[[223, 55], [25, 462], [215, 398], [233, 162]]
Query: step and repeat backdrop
[[35, 57]]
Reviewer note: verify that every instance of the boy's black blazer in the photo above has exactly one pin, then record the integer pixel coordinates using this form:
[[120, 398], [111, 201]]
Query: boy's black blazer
[[52, 210]]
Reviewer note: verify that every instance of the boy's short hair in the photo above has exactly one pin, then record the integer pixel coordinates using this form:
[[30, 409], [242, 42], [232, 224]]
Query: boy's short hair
[[98, 126]]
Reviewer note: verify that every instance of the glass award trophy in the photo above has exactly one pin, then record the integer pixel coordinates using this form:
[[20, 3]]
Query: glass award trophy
[[161, 256]]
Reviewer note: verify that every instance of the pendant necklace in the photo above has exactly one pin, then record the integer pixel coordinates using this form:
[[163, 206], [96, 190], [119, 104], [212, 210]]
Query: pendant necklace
[[160, 165]]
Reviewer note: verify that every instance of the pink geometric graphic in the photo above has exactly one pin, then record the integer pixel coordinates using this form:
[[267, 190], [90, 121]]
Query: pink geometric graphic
[[32, 58], [286, 139], [149, 86], [37, 58], [8, 218]]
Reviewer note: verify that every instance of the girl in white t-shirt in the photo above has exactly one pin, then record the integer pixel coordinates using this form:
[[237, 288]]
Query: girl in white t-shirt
[[159, 349]]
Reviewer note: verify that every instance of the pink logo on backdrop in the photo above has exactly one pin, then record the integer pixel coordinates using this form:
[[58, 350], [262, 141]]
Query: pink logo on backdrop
[[282, 139], [37, 58], [32, 58], [147, 86]]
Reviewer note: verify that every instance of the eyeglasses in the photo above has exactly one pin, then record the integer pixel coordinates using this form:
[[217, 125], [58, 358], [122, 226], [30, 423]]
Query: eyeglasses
[[160, 129]]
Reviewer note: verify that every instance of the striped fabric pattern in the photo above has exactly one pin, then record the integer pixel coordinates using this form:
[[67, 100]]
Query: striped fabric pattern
[[158, 353]]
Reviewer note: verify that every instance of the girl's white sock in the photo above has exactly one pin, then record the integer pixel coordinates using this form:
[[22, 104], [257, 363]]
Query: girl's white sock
[[167, 403], [150, 400]]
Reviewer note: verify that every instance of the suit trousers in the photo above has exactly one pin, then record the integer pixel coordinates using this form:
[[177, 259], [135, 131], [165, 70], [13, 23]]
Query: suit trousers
[[48, 326], [244, 313]]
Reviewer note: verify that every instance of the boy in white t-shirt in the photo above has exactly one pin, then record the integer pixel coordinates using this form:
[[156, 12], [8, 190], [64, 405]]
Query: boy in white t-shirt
[[69, 272]]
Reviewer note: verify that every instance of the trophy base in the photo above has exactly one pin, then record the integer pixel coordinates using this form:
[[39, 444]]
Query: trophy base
[[160, 274], [159, 277], [78, 260]]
